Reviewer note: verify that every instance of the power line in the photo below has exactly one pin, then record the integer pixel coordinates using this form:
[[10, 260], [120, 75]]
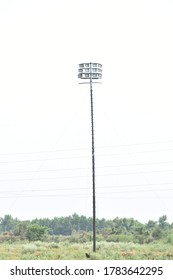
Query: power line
[[98, 155], [84, 148], [84, 188], [138, 144], [135, 152], [86, 168], [43, 159], [84, 195], [84, 176], [45, 170]]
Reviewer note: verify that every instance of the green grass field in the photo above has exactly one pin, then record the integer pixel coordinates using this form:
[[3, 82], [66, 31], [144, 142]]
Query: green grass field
[[72, 251]]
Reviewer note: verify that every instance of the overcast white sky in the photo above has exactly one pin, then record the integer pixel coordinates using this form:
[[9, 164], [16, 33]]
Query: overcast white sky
[[45, 142]]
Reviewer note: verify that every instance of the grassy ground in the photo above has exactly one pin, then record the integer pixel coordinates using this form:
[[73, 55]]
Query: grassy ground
[[67, 251]]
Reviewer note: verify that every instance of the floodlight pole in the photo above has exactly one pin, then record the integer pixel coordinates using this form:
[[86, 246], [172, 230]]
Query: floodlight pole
[[93, 165], [91, 71]]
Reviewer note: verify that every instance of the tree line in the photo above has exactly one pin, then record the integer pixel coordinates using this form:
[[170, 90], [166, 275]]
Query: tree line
[[118, 229]]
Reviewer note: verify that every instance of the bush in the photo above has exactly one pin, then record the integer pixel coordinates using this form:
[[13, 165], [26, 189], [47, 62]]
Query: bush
[[35, 232], [54, 245], [169, 239], [119, 238], [8, 239], [29, 248], [157, 233]]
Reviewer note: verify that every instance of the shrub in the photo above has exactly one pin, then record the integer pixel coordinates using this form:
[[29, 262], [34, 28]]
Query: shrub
[[119, 238], [169, 239], [35, 232], [29, 248]]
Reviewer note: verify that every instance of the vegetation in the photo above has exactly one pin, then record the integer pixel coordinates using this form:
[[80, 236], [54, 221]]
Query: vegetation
[[71, 238]]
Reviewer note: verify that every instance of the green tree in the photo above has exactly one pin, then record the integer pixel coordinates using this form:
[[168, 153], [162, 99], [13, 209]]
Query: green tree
[[21, 229], [8, 223], [163, 222], [157, 233], [151, 224], [35, 232]]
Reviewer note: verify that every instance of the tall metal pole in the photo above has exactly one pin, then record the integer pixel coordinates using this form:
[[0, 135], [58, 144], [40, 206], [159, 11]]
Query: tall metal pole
[[91, 71], [93, 164]]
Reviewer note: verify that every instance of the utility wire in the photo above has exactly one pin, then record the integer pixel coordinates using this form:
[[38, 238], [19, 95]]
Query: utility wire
[[84, 176], [83, 195], [20, 193], [84, 148], [84, 188], [86, 168], [98, 155]]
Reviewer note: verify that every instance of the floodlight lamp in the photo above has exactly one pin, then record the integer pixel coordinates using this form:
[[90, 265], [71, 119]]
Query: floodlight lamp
[[90, 71]]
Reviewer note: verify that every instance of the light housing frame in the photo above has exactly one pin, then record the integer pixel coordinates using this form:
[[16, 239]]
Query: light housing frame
[[90, 71]]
